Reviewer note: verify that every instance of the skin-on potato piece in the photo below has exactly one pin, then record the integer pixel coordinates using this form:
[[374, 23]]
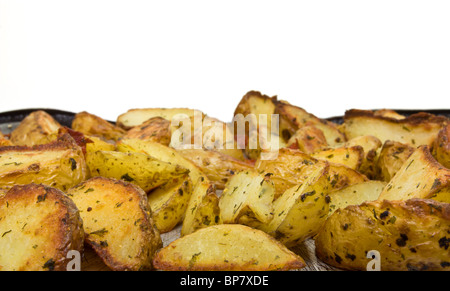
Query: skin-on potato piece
[[247, 192], [392, 156], [389, 113], [90, 124], [118, 223], [421, 176], [220, 248], [136, 117], [60, 164], [409, 235], [162, 153], [137, 168], [169, 203], [293, 118], [217, 166], [351, 157], [37, 128], [417, 129], [155, 129], [308, 139], [203, 208], [261, 107], [370, 145], [98, 144], [300, 211], [39, 225], [356, 194], [441, 149], [341, 176], [291, 168]]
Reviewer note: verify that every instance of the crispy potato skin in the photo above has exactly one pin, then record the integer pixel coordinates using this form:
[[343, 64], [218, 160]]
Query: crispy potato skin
[[415, 130], [218, 167], [36, 128], [43, 237], [60, 164], [410, 235], [118, 223], [155, 129], [308, 139], [442, 147], [392, 156], [219, 248], [90, 124]]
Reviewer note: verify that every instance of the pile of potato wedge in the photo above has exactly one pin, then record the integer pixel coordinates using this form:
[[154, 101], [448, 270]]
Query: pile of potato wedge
[[379, 181]]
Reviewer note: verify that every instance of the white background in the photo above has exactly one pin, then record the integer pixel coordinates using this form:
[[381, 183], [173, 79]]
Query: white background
[[107, 56]]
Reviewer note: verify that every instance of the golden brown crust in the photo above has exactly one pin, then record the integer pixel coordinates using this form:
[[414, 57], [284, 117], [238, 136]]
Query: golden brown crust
[[414, 119], [37, 128], [130, 228], [155, 129], [409, 235], [91, 124], [60, 231], [441, 148]]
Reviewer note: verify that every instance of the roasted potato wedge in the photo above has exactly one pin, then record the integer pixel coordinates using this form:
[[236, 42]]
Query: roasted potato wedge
[[389, 113], [308, 139], [98, 144], [137, 168], [392, 156], [291, 168], [293, 118], [341, 176], [90, 124], [156, 129], [162, 153], [421, 176], [39, 225], [60, 164], [5, 142], [203, 208], [217, 166], [356, 194], [169, 203], [417, 129], [257, 109], [351, 157], [409, 235], [220, 248], [441, 149], [371, 146], [118, 223], [247, 192], [301, 211], [37, 128], [136, 117]]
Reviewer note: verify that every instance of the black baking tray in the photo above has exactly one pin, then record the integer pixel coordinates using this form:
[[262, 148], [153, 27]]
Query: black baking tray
[[65, 118]]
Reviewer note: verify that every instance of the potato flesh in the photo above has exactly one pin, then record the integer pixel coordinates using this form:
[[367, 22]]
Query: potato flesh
[[227, 247]]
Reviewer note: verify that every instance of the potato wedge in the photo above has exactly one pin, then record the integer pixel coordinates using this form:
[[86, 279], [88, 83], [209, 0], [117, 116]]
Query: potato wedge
[[98, 144], [291, 168], [351, 157], [247, 192], [156, 129], [356, 194], [389, 113], [421, 176], [169, 203], [409, 235], [137, 168], [203, 208], [217, 166], [219, 248], [371, 146], [90, 124], [308, 139], [60, 164], [417, 129], [162, 153], [39, 225], [301, 211], [118, 223], [37, 128], [441, 149], [293, 118], [5, 142], [392, 156], [136, 117]]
